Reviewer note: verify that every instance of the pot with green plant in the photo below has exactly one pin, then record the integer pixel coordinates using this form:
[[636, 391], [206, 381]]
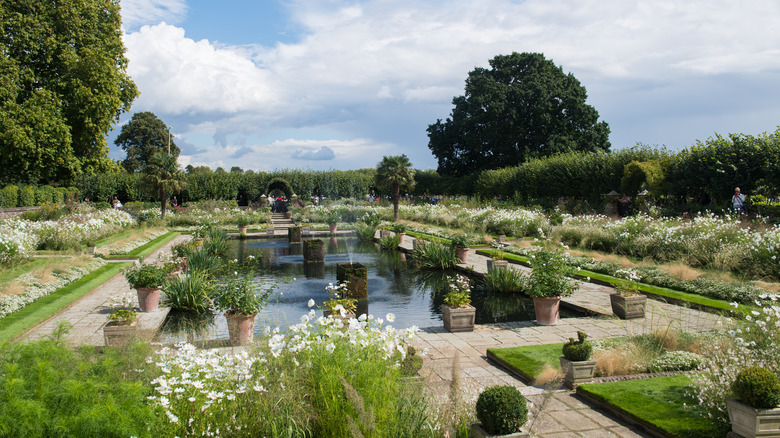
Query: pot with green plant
[[400, 230], [497, 260], [460, 242], [242, 223], [332, 219], [576, 365], [338, 305], [457, 313], [240, 299], [121, 325], [502, 411], [756, 411], [548, 282], [147, 280], [627, 302]]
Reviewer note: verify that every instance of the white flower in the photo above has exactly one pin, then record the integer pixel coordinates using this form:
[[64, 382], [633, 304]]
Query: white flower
[[390, 317], [311, 303], [330, 347]]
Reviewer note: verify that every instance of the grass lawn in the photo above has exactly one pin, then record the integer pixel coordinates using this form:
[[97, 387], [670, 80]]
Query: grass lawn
[[527, 362], [18, 322], [152, 246], [659, 403]]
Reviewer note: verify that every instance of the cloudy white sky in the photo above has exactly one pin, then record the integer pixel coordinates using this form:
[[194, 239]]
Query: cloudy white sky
[[331, 84]]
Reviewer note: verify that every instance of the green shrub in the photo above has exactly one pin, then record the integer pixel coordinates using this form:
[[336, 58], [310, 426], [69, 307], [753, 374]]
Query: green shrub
[[145, 276], [412, 363], [44, 194], [203, 261], [216, 241], [433, 255], [27, 196], [579, 349], [757, 387], [501, 410], [191, 292], [365, 233], [459, 241], [390, 243], [9, 196], [505, 280]]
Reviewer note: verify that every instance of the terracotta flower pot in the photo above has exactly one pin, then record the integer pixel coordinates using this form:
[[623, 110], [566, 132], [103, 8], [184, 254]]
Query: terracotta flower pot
[[241, 328], [148, 298], [333, 227], [547, 310], [462, 254], [401, 236], [242, 230]]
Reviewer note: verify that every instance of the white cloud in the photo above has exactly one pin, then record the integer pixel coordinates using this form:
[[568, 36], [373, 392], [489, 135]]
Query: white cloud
[[355, 60]]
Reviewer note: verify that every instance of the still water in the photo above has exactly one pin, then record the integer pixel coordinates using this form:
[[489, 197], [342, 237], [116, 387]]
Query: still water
[[413, 296]]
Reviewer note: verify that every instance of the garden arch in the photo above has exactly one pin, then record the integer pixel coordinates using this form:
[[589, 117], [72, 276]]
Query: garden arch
[[279, 184]]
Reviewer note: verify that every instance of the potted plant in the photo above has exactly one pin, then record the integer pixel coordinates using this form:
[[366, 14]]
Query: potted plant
[[400, 230], [457, 313], [147, 280], [460, 242], [548, 283], [332, 219], [239, 298], [755, 412], [501, 411], [497, 256], [121, 325], [198, 236], [627, 302], [576, 365], [242, 222], [337, 306]]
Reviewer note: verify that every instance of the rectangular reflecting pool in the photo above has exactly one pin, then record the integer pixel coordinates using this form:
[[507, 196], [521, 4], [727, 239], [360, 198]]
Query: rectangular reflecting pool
[[413, 296]]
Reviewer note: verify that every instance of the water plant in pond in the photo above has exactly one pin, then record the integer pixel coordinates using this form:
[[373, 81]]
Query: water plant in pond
[[390, 243], [193, 292], [505, 280], [365, 233], [433, 255]]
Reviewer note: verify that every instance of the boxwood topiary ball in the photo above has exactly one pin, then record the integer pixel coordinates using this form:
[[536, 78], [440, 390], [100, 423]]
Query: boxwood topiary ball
[[501, 409], [757, 387]]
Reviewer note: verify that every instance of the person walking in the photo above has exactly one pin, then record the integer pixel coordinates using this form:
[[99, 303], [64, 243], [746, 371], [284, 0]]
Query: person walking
[[738, 202]]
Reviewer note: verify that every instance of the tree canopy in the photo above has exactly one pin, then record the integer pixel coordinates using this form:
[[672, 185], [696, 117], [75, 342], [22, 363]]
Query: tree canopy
[[395, 173], [142, 137], [523, 107], [63, 83]]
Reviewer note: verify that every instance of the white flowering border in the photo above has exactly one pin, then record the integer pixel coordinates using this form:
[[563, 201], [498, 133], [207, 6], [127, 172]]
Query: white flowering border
[[33, 290]]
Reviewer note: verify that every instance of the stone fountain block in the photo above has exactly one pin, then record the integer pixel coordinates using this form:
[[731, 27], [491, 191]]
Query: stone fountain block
[[356, 277], [294, 234], [313, 250]]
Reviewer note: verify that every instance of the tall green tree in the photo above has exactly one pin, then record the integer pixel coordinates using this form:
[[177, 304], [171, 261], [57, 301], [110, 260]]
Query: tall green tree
[[142, 137], [63, 83], [164, 175], [523, 107], [395, 173]]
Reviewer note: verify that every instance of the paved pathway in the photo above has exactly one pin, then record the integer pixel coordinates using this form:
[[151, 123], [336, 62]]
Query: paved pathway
[[88, 314], [562, 414]]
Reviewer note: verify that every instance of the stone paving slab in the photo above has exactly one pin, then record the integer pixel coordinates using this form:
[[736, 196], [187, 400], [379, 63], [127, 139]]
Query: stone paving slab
[[89, 314]]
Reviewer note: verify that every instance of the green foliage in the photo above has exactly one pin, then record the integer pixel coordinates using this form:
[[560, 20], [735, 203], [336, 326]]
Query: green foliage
[[27, 196], [395, 173], [523, 107], [65, 84], [390, 243], [505, 280], [412, 363], [643, 175], [399, 228], [216, 242], [243, 221], [125, 316], [550, 274], [52, 390], [44, 194], [162, 173], [203, 261], [501, 409], [142, 137], [192, 292], [758, 387], [239, 294], [459, 241], [365, 233], [145, 276], [433, 255], [9, 196], [459, 293], [579, 349]]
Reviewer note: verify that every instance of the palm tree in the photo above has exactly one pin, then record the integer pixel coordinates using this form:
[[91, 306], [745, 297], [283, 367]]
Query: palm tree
[[164, 174], [395, 173]]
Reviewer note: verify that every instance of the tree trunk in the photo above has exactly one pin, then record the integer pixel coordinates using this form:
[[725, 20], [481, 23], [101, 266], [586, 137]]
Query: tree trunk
[[163, 201], [396, 190]]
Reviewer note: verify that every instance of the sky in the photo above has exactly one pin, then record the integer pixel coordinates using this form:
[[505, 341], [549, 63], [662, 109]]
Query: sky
[[332, 84]]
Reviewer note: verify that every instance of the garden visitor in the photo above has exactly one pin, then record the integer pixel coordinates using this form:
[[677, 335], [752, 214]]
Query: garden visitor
[[117, 203], [738, 202], [624, 205], [174, 202]]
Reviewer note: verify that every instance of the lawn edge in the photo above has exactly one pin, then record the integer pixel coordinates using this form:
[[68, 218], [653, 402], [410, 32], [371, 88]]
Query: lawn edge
[[616, 411]]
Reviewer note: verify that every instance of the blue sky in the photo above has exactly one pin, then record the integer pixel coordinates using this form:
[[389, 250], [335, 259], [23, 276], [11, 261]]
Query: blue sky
[[332, 84]]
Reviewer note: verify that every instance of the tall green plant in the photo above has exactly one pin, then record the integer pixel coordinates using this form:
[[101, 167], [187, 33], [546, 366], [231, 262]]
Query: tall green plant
[[395, 173]]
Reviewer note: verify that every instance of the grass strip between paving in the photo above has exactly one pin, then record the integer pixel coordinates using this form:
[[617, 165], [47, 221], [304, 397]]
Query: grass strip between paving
[[529, 361], [662, 404], [699, 301], [147, 248], [33, 314]]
